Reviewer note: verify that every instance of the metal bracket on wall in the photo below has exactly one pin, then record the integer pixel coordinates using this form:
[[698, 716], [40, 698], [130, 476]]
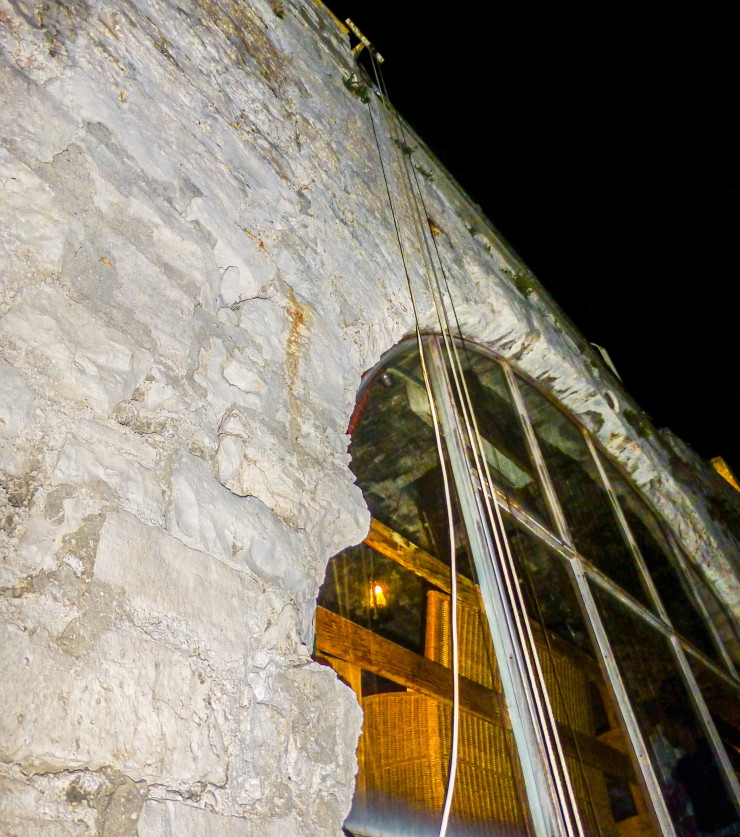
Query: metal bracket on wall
[[363, 43]]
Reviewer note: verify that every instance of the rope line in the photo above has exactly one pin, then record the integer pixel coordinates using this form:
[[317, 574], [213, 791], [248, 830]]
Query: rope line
[[455, 736], [495, 523], [532, 673], [522, 559], [448, 502], [546, 715], [542, 705]]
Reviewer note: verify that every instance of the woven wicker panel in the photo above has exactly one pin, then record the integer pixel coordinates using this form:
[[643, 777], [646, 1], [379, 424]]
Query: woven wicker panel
[[402, 755], [567, 688], [407, 750], [437, 644], [567, 685], [477, 659], [406, 741], [593, 800], [486, 786]]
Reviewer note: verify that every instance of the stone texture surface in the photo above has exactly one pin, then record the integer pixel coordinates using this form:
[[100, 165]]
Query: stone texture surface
[[197, 264], [175, 819], [171, 734], [194, 590]]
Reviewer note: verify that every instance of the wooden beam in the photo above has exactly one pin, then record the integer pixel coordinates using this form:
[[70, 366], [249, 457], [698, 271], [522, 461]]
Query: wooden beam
[[561, 647], [394, 546], [348, 641], [344, 639], [596, 753]]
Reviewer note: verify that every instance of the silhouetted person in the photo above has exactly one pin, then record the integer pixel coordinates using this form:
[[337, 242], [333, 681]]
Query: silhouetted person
[[697, 773]]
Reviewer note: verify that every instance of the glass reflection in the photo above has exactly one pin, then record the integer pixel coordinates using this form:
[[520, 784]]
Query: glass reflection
[[394, 453], [668, 578], [548, 592], [373, 591], [679, 751], [724, 624], [580, 702], [723, 702], [585, 502], [504, 443], [405, 746]]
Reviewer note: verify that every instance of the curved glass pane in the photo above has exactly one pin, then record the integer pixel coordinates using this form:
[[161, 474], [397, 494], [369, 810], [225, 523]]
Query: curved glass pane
[[394, 453], [384, 623], [371, 590], [683, 761], [723, 702], [605, 788], [723, 622], [588, 511], [669, 580], [502, 435], [547, 590]]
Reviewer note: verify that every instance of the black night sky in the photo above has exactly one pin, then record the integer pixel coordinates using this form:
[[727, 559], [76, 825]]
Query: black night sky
[[598, 141]]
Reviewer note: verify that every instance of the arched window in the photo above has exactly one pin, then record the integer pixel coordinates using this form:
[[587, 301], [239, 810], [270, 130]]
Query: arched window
[[611, 641]]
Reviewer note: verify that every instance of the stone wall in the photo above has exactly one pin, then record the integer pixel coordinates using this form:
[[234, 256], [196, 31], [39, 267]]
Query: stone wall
[[197, 264]]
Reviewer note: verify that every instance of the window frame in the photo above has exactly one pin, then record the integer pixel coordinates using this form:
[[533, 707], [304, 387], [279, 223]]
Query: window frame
[[471, 487], [562, 542]]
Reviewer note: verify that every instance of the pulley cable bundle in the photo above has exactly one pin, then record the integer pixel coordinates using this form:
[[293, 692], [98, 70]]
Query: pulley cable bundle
[[541, 707], [448, 504], [530, 666], [447, 496], [466, 403], [479, 457]]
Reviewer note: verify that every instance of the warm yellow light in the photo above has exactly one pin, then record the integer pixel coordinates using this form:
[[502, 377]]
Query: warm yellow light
[[723, 469], [377, 597]]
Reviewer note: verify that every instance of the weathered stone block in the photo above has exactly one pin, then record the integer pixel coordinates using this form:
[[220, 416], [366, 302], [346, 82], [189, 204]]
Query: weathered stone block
[[84, 460], [211, 603], [244, 264], [25, 813], [242, 531], [82, 359], [16, 402], [34, 124], [33, 227], [170, 734], [178, 819]]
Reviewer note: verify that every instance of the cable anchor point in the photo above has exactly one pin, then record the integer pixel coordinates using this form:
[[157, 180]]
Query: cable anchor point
[[363, 43]]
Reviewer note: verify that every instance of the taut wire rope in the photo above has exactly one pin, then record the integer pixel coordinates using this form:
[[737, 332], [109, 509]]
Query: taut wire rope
[[558, 683], [476, 448], [465, 403], [448, 500], [545, 713], [522, 561]]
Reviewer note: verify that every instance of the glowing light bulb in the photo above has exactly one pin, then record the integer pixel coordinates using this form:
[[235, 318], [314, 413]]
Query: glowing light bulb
[[377, 597]]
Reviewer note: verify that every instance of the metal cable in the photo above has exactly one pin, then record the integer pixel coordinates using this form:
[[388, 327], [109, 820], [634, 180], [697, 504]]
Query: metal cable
[[514, 591], [558, 683], [476, 448], [448, 502], [523, 562], [545, 713]]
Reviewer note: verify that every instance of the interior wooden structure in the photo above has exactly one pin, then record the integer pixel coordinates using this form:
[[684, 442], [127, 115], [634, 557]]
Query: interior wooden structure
[[405, 747]]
